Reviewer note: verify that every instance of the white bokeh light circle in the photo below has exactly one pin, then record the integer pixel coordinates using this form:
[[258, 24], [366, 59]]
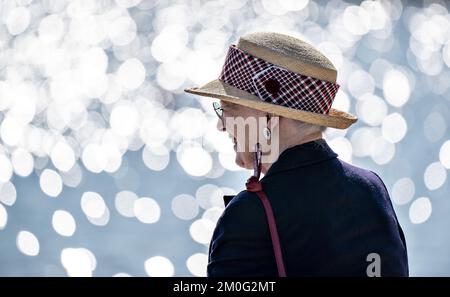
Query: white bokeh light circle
[[420, 210], [403, 191], [371, 109], [131, 74], [124, 203], [93, 204], [209, 195], [51, 28], [159, 266], [63, 223], [156, 158], [6, 168], [195, 160], [444, 154], [147, 210], [201, 230], [435, 176], [22, 162], [213, 214], [94, 158], [78, 262], [396, 87], [197, 264], [122, 30], [101, 221], [394, 127], [184, 207], [124, 119], [18, 20], [51, 182], [8, 193], [121, 274], [27, 243], [343, 147], [63, 156], [3, 217]]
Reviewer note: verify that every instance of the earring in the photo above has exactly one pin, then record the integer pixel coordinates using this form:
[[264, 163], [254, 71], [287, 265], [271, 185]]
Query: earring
[[257, 161], [266, 133]]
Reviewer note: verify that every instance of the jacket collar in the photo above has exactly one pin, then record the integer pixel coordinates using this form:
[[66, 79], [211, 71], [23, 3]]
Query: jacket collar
[[301, 155], [297, 156]]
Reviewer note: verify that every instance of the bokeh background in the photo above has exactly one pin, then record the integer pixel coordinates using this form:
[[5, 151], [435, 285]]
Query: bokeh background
[[107, 168]]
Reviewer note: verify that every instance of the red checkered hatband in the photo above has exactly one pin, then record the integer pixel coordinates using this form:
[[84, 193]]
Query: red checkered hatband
[[276, 85]]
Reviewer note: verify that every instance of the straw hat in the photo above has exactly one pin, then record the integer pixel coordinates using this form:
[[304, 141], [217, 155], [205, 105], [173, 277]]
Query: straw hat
[[282, 75]]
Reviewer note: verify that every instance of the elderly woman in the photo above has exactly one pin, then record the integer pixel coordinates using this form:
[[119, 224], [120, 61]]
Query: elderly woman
[[311, 214]]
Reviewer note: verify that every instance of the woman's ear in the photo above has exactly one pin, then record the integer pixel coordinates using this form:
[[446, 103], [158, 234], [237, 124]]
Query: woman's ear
[[272, 121]]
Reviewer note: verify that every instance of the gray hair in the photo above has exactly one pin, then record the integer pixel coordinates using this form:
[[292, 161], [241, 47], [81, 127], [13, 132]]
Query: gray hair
[[307, 128]]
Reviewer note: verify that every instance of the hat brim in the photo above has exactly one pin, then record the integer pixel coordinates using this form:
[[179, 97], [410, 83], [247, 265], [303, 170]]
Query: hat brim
[[218, 89]]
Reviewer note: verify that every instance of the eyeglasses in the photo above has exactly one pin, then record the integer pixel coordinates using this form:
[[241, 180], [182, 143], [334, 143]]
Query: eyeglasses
[[219, 112]]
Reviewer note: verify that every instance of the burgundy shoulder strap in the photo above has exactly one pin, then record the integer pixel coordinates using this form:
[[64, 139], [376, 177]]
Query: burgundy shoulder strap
[[253, 185]]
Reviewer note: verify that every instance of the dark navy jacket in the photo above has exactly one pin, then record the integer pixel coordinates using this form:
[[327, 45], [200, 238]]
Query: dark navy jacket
[[330, 216]]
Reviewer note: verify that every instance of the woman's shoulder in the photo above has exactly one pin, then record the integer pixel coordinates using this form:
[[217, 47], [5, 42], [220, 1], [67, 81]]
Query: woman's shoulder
[[244, 199], [244, 208]]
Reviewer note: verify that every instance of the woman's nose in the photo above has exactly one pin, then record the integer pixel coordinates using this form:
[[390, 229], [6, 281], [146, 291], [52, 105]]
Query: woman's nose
[[220, 126]]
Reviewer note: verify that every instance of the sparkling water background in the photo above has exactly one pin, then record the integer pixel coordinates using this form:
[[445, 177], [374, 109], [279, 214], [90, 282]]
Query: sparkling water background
[[108, 168]]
